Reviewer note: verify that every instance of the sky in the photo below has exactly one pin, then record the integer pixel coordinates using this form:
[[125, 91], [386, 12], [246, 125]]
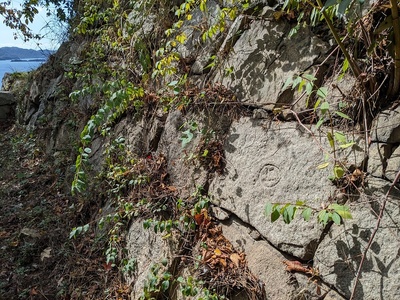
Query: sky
[[38, 26]]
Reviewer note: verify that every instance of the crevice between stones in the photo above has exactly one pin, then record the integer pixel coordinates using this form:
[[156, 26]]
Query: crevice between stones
[[230, 217]]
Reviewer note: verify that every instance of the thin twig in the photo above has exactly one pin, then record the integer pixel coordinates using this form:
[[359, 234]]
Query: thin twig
[[309, 131], [378, 222], [366, 136]]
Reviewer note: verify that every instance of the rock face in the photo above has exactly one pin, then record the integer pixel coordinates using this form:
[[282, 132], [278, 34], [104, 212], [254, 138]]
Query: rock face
[[7, 105], [339, 255], [147, 257], [266, 158], [257, 154], [264, 57], [263, 259]]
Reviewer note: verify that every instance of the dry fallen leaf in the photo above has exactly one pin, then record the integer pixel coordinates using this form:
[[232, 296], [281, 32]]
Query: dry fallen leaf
[[235, 258], [222, 261], [33, 292], [296, 266], [45, 253], [4, 234], [107, 266], [217, 252], [30, 232]]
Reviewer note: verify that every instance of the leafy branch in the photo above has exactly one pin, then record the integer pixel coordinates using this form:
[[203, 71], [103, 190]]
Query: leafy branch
[[333, 212]]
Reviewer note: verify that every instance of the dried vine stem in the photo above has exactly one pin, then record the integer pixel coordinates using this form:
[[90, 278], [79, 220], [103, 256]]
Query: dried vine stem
[[378, 222]]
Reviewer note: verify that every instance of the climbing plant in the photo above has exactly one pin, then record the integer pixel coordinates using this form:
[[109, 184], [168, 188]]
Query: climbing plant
[[113, 90], [348, 12]]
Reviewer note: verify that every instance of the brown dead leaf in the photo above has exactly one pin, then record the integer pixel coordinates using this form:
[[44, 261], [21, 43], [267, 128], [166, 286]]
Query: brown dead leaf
[[235, 258], [4, 234], [107, 266], [198, 218], [222, 262], [207, 255], [172, 188], [33, 291], [217, 252], [296, 266]]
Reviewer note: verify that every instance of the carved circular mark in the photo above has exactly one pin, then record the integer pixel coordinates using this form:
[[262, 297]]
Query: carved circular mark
[[269, 175]]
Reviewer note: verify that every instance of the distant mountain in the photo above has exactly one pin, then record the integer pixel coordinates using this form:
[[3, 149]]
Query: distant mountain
[[7, 53]]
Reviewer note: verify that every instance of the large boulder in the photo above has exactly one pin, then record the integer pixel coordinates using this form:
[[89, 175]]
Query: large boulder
[[274, 164], [7, 105], [263, 260], [149, 250], [339, 255], [277, 163], [384, 156], [264, 57]]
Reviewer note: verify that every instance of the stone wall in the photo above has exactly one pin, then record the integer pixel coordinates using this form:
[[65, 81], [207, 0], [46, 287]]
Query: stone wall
[[269, 157]]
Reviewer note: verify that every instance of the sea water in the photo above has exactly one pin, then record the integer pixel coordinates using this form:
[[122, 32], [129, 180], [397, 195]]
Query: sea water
[[8, 66]]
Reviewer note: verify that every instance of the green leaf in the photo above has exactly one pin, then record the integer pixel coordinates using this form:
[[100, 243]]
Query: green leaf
[[87, 150], [173, 83], [340, 137], [146, 224], [165, 285], [309, 77], [275, 215], [338, 171], [293, 31], [306, 214], [186, 138], [343, 5], [347, 145], [324, 107], [317, 103], [345, 66], [180, 279], [323, 166], [329, 3], [296, 81], [268, 209], [302, 83], [342, 210], [342, 115], [162, 226], [288, 214], [72, 233], [203, 5], [309, 88], [319, 123], [331, 140], [288, 83], [86, 228], [322, 92], [323, 217], [336, 218]]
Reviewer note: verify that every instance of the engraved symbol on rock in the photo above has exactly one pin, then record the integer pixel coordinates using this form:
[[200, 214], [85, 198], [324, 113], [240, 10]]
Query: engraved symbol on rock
[[269, 175]]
